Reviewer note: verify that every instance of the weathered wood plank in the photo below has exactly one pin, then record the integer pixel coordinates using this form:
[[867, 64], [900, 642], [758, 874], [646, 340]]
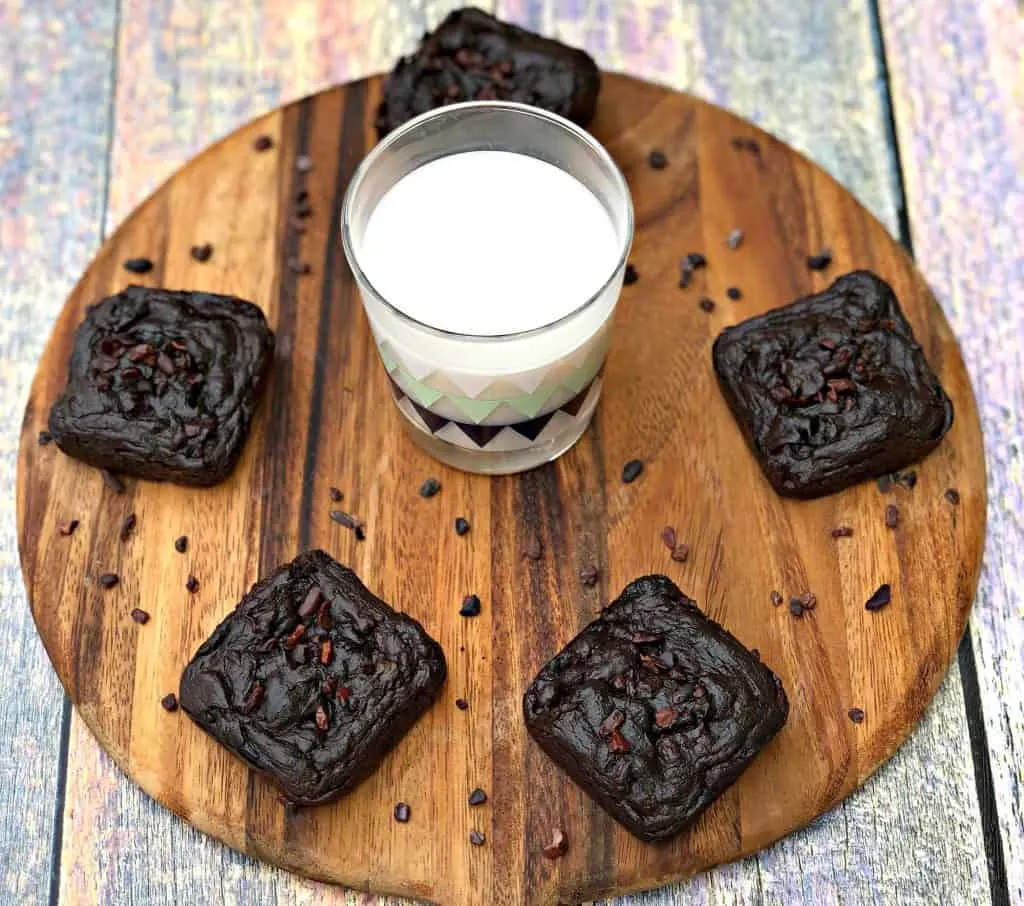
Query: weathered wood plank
[[212, 66], [55, 87], [956, 79]]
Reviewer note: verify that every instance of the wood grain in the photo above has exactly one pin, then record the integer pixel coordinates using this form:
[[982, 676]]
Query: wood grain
[[959, 115], [55, 85], [327, 380]]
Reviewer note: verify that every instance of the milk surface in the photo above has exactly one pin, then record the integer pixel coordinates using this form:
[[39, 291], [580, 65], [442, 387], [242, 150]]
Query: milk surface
[[488, 243]]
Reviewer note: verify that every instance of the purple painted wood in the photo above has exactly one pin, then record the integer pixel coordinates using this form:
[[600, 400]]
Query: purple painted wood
[[55, 84], [956, 80]]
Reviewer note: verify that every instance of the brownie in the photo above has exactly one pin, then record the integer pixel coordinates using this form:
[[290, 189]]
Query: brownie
[[832, 389], [654, 709], [473, 56], [312, 679], [163, 384]]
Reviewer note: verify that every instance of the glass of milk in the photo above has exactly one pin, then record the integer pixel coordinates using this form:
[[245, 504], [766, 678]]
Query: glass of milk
[[489, 241]]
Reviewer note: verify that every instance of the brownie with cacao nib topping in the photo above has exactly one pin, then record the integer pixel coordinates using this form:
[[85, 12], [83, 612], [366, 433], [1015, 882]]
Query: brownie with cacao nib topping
[[312, 679], [832, 389], [654, 709], [473, 56], [163, 384]]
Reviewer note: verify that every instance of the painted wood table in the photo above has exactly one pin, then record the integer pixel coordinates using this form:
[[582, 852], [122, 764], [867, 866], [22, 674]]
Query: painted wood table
[[916, 107]]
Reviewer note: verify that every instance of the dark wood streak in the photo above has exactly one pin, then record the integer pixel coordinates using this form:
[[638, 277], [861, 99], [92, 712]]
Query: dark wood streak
[[334, 272], [275, 461]]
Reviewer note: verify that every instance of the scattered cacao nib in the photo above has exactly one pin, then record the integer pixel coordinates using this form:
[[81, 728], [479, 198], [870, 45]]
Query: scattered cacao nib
[[430, 487], [138, 265], [320, 716], [254, 698], [735, 239], [618, 743], [741, 143], [359, 532], [477, 797], [181, 544], [169, 702], [192, 585], [611, 723], [631, 471], [311, 603], [668, 537], [303, 163], [201, 253], [461, 526], [402, 812], [344, 519], [665, 717], [336, 495], [884, 483], [477, 838], [684, 278], [558, 846], [681, 553], [820, 261], [263, 143], [299, 267], [734, 294], [776, 599], [657, 160], [462, 704], [108, 580], [881, 597], [693, 261], [128, 526], [856, 715], [631, 275], [808, 601], [470, 606], [795, 607], [892, 516], [67, 527], [952, 495], [842, 531], [302, 196], [532, 547], [112, 481], [303, 211], [140, 616], [706, 305], [45, 438], [589, 576]]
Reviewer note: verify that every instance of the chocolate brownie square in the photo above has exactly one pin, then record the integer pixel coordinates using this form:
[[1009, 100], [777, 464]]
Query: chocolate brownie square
[[832, 389], [163, 384], [654, 709], [473, 56], [312, 679]]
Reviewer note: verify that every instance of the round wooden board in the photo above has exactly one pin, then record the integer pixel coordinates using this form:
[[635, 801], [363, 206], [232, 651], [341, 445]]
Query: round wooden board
[[327, 419]]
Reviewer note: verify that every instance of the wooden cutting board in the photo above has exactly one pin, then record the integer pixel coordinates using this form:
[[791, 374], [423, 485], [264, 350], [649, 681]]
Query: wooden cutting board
[[328, 420]]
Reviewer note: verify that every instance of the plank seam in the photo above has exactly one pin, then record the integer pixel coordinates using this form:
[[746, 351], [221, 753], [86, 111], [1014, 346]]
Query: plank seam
[[57, 835], [60, 795], [999, 891]]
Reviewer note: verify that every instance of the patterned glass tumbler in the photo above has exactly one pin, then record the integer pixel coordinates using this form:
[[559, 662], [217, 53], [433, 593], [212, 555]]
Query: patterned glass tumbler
[[493, 404]]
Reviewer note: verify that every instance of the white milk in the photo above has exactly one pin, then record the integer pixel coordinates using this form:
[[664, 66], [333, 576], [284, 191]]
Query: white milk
[[488, 243]]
